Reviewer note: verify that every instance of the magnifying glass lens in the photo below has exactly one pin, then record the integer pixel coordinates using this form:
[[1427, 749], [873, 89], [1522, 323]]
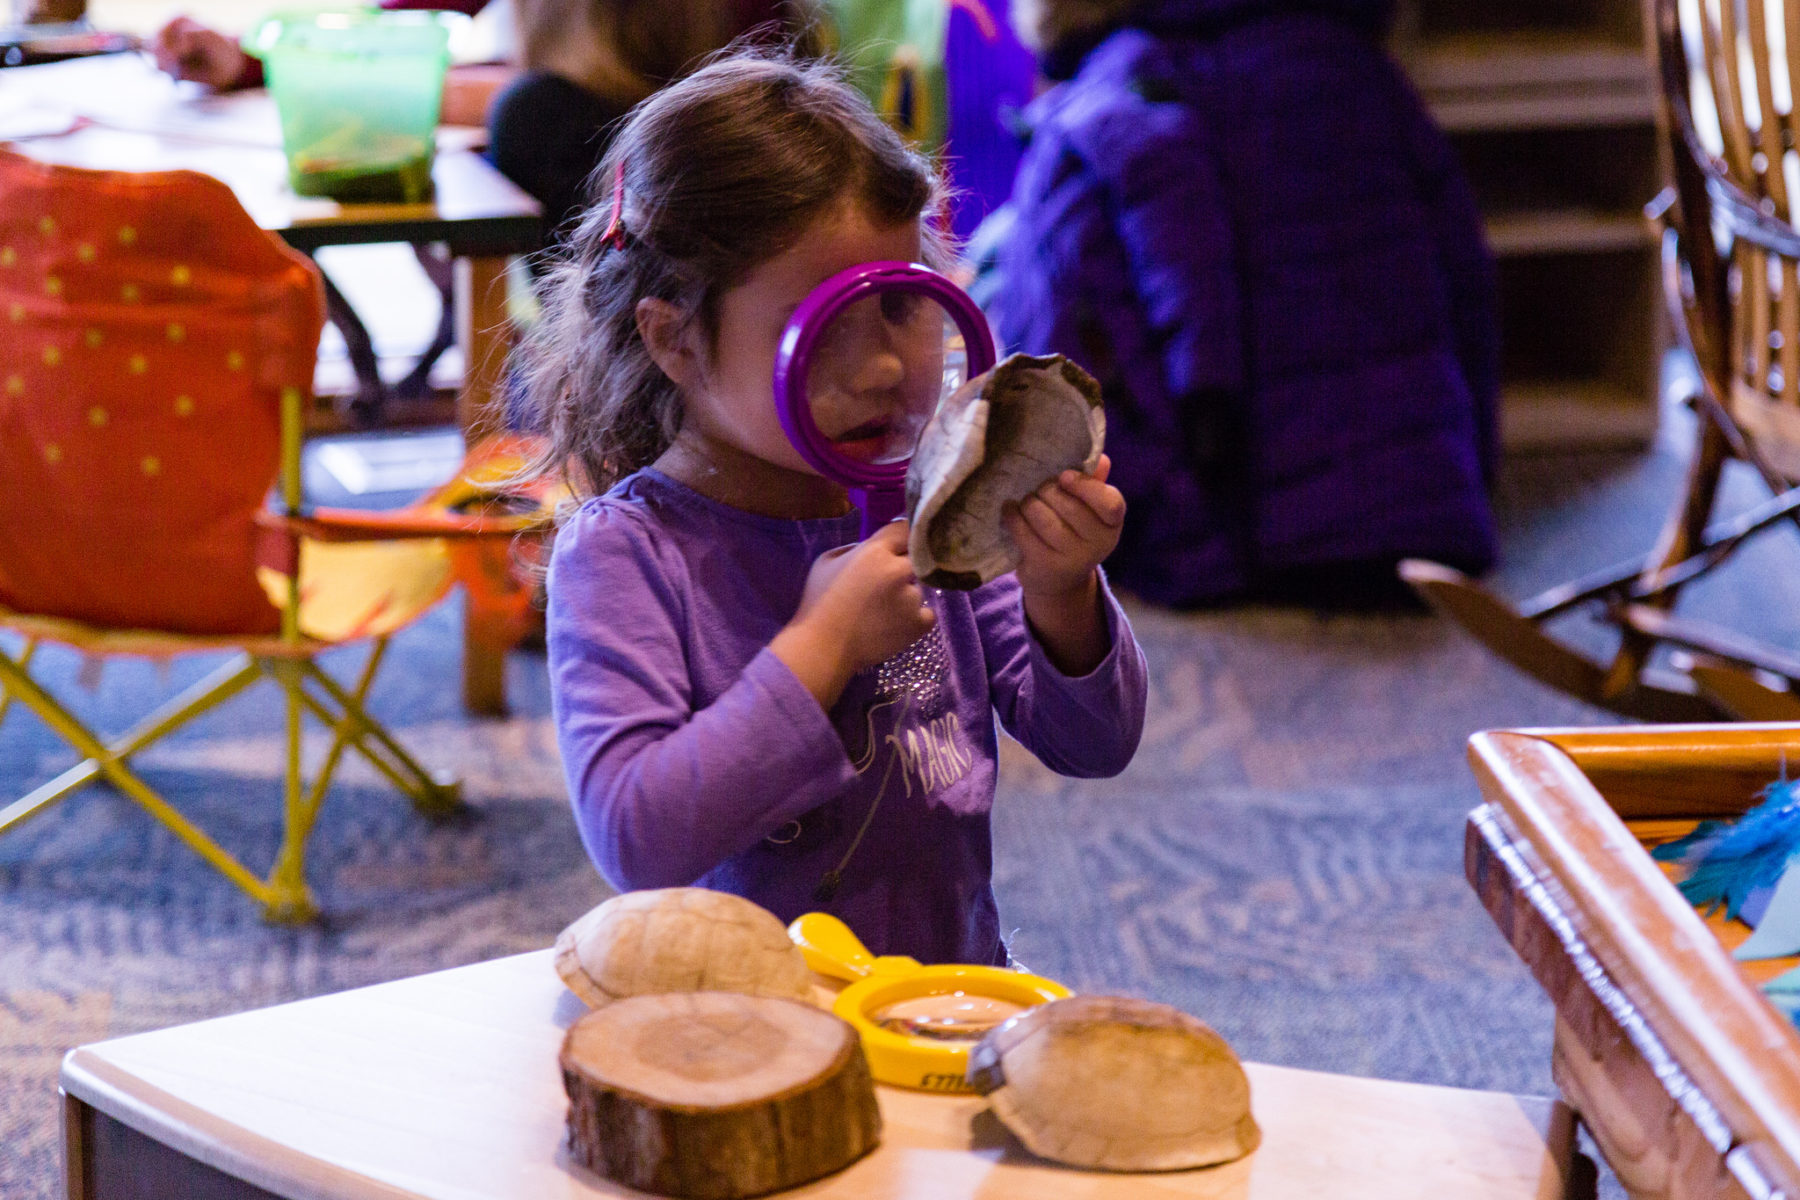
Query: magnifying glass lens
[[879, 370], [948, 1017]]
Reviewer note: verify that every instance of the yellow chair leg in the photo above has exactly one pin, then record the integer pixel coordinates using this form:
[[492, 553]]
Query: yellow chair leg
[[210, 692], [24, 661], [284, 894], [419, 788], [288, 878], [344, 730], [351, 729], [432, 795], [113, 768], [290, 902]]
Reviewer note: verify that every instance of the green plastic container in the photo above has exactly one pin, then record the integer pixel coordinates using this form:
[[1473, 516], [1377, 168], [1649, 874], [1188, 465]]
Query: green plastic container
[[358, 92]]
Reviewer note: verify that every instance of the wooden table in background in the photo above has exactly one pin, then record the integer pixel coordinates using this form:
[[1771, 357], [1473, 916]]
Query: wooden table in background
[[447, 1087], [117, 112]]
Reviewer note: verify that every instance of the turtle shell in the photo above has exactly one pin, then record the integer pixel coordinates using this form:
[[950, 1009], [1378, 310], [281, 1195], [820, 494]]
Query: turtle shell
[[1118, 1084], [679, 940], [992, 442]]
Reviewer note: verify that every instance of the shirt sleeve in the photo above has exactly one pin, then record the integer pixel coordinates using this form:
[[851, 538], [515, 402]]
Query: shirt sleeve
[[1087, 726], [662, 792]]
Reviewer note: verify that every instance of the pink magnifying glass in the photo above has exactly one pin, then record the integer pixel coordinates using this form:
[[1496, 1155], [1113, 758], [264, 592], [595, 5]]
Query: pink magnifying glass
[[862, 366]]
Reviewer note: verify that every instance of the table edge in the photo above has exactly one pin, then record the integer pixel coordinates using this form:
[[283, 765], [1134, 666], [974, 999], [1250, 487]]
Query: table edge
[[212, 1140], [91, 1078]]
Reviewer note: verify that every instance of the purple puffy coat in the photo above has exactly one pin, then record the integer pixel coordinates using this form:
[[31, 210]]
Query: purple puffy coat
[[1238, 216]]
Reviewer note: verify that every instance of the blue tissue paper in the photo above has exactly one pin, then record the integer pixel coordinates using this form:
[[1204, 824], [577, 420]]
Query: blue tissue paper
[[1729, 862]]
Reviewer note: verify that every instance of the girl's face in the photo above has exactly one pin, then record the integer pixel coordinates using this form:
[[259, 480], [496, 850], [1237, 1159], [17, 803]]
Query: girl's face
[[876, 375], [729, 395]]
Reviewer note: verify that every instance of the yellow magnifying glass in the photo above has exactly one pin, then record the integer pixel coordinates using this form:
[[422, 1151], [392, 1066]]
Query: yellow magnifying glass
[[917, 1023]]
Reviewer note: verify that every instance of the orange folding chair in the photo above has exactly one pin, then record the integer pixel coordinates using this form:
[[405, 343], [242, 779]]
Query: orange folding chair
[[156, 353]]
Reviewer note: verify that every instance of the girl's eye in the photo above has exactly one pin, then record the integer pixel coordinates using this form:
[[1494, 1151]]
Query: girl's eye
[[897, 308]]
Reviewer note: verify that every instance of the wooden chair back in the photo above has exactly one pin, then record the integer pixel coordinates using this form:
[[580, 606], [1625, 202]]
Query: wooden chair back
[[1728, 71], [150, 329]]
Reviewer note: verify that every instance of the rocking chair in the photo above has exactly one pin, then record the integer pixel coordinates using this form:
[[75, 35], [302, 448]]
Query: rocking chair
[[1731, 272]]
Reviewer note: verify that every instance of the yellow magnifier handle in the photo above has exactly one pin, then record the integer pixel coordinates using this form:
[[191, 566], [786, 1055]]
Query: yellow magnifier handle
[[831, 949]]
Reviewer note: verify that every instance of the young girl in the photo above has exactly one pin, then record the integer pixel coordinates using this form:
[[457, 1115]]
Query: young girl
[[746, 698]]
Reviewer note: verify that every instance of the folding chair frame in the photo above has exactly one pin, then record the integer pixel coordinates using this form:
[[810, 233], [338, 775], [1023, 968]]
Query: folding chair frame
[[283, 892], [288, 660]]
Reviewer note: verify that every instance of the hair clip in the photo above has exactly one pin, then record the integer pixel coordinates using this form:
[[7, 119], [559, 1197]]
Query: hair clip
[[615, 228]]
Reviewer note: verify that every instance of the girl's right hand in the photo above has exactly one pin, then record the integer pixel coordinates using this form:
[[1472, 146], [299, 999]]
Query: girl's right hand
[[862, 605]]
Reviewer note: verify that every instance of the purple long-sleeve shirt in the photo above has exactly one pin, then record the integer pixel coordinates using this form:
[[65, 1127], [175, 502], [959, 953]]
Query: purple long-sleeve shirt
[[694, 755]]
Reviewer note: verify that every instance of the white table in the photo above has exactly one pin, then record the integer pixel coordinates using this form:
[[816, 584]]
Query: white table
[[118, 112], [447, 1086]]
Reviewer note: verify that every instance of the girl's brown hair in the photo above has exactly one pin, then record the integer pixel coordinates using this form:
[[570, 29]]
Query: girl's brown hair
[[722, 172]]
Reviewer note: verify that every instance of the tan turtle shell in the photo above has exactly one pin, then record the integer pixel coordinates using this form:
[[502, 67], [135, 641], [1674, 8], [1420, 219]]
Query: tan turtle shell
[[1118, 1084], [679, 940]]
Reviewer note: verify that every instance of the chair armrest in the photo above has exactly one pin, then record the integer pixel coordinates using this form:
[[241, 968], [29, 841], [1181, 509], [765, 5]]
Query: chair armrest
[[484, 500], [358, 525]]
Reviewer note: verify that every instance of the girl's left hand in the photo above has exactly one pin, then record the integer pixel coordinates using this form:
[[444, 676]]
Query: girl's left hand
[[1065, 530]]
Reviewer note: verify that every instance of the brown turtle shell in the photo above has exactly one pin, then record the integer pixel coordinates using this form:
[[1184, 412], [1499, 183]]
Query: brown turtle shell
[[993, 442], [1117, 1083], [679, 940]]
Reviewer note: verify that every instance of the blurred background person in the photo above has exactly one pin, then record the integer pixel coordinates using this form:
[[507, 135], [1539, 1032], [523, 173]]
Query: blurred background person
[[1237, 214], [951, 77]]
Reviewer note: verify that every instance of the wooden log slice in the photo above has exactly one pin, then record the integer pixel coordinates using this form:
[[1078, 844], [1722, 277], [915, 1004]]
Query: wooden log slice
[[715, 1095]]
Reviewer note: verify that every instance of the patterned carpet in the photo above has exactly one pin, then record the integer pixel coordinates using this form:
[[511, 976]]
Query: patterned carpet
[[1283, 858]]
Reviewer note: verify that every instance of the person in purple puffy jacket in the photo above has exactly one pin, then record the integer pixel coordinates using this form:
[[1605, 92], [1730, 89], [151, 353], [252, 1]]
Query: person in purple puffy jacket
[[1237, 214]]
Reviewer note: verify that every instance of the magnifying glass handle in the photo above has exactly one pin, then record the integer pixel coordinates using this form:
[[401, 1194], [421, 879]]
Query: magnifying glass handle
[[878, 505]]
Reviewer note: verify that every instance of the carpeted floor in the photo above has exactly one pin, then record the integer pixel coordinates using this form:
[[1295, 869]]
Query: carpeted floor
[[1283, 858]]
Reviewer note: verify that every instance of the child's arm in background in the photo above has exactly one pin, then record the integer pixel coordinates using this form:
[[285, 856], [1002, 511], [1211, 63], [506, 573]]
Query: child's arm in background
[[663, 793]]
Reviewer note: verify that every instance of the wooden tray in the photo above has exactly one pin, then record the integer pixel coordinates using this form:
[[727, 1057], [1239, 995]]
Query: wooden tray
[[1688, 1078]]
